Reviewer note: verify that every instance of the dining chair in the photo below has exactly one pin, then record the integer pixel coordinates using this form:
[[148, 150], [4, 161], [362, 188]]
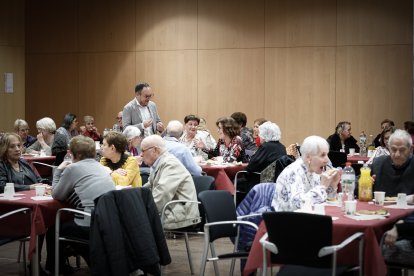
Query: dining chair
[[396, 259], [221, 222], [305, 253], [66, 238], [20, 234], [201, 183]]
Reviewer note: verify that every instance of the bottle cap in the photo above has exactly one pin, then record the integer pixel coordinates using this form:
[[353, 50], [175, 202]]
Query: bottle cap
[[348, 164]]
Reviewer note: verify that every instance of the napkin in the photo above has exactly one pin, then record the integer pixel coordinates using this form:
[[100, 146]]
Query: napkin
[[394, 206], [13, 198], [42, 198], [365, 217]]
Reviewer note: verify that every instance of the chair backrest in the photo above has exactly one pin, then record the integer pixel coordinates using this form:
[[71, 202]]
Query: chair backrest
[[337, 158], [219, 206], [203, 183], [299, 237], [281, 164], [271, 172], [15, 225]]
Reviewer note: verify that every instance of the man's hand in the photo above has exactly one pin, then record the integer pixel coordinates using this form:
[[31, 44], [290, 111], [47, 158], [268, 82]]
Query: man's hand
[[160, 126], [147, 123]]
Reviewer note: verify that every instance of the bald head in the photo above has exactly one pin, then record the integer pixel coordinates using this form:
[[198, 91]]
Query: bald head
[[175, 129], [152, 147]]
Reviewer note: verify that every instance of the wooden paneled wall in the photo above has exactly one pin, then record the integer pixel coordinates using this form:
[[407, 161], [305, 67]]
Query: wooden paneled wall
[[303, 64], [12, 60]]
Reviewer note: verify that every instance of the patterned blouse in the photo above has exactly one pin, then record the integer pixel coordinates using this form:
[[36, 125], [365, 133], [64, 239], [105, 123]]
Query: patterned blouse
[[202, 135], [234, 151], [296, 185], [379, 151]]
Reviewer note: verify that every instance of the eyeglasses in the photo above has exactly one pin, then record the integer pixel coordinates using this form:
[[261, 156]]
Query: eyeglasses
[[118, 118], [24, 130], [148, 96], [144, 150]]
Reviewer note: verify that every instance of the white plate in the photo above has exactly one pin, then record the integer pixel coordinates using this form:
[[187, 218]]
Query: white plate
[[375, 214]]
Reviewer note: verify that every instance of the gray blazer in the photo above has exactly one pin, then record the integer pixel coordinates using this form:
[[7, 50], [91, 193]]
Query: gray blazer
[[132, 116]]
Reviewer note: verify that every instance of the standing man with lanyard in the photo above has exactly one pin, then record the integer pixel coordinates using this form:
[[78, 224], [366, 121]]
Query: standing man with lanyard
[[142, 112]]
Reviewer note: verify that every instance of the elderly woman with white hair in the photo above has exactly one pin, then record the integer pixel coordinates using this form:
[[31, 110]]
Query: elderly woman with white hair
[[305, 181], [133, 136], [46, 128], [270, 148]]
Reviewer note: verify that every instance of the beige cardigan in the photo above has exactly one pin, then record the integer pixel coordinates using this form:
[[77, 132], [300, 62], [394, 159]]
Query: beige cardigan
[[172, 181]]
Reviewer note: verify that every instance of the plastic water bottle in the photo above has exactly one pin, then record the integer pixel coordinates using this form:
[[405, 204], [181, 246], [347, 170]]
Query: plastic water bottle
[[363, 144], [68, 157], [348, 183]]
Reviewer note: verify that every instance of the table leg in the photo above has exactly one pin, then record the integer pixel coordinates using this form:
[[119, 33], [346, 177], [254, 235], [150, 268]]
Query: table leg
[[35, 259]]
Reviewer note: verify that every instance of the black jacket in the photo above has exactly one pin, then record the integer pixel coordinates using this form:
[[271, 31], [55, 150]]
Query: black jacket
[[7, 174], [126, 234], [265, 155], [335, 143]]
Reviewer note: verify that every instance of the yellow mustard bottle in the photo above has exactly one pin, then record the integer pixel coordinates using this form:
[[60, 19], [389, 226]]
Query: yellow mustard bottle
[[365, 184]]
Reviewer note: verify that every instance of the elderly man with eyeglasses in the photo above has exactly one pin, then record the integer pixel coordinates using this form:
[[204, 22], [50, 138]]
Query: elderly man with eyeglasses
[[169, 180], [142, 112]]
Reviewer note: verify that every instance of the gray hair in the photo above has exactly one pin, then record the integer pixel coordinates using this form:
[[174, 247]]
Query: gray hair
[[313, 145], [130, 132], [270, 132], [400, 134], [47, 124], [175, 129], [19, 123]]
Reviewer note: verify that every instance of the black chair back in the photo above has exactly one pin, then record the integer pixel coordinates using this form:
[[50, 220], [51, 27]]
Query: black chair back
[[203, 183], [337, 158], [299, 237], [281, 164], [219, 206]]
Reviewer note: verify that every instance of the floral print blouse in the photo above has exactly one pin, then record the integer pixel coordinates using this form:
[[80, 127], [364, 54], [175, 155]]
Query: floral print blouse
[[296, 186], [234, 151], [379, 151]]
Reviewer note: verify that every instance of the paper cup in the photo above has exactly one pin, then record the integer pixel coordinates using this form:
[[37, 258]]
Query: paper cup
[[40, 190], [9, 191], [379, 198], [350, 207], [319, 209], [351, 151], [402, 200]]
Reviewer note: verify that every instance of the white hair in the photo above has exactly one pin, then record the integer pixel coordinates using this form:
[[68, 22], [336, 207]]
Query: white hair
[[401, 134], [47, 124], [270, 132], [313, 145], [175, 129], [130, 132]]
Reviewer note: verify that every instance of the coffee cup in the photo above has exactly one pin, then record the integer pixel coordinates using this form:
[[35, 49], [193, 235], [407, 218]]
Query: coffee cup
[[40, 190], [350, 207], [379, 198], [319, 209], [352, 151], [402, 200], [9, 191]]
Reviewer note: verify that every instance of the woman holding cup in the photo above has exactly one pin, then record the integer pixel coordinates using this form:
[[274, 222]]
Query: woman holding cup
[[306, 181], [13, 169]]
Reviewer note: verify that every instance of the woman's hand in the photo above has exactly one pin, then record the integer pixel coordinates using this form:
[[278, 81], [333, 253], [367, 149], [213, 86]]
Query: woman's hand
[[199, 144], [120, 171], [64, 164], [40, 138], [331, 178], [139, 159]]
